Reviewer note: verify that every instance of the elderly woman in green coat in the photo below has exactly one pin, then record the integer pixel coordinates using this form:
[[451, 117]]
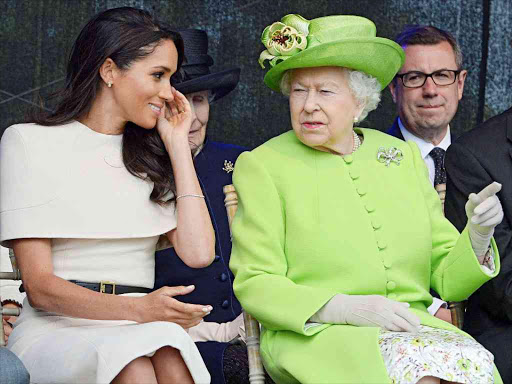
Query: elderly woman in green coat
[[339, 235]]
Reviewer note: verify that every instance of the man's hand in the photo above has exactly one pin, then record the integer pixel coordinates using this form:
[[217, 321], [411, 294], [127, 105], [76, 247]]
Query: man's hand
[[444, 314]]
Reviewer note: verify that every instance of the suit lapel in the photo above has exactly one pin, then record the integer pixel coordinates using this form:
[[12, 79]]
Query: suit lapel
[[395, 130]]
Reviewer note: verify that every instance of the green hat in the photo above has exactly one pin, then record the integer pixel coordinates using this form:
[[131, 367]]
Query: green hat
[[343, 41]]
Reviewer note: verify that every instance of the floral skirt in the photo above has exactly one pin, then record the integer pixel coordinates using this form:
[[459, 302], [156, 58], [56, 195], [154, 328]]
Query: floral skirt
[[435, 352]]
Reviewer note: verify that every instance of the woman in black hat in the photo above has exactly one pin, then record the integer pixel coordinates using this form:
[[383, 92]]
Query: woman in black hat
[[214, 163]]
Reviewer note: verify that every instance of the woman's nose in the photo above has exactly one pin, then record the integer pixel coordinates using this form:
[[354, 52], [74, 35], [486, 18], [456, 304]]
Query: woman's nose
[[311, 103], [166, 93]]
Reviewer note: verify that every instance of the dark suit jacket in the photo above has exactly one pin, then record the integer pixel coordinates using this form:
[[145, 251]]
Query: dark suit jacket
[[395, 130], [213, 284], [476, 159]]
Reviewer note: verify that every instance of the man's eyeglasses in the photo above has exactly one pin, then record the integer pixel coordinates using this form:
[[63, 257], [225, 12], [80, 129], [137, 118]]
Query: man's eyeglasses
[[416, 79]]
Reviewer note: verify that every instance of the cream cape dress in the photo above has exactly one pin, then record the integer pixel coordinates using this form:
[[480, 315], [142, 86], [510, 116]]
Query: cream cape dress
[[68, 183]]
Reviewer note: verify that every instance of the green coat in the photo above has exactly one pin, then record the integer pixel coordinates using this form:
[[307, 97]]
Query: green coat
[[311, 224]]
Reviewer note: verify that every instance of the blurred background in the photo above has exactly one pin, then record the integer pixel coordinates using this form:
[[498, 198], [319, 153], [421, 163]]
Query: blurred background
[[36, 37]]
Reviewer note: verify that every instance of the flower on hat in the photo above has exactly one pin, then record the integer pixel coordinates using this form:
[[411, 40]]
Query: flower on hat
[[284, 39]]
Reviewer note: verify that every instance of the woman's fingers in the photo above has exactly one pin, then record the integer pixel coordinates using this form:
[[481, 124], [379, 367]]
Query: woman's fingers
[[487, 204], [167, 111], [493, 221], [489, 191], [189, 324], [491, 212], [7, 329], [183, 310], [408, 321], [473, 201], [405, 324], [181, 101], [176, 291], [191, 309], [177, 104], [180, 306], [481, 202], [173, 108]]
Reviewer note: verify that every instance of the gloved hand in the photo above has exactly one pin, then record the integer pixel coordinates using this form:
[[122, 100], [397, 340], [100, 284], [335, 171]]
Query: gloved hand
[[222, 332], [484, 212], [368, 311]]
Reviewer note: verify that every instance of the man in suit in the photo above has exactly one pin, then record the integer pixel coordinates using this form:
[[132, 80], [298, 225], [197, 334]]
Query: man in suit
[[427, 91], [480, 155], [214, 164]]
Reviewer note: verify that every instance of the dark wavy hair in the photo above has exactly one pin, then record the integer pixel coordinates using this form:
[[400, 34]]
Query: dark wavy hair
[[125, 35]]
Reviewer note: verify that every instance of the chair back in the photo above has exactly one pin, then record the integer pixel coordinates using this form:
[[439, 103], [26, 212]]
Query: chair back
[[252, 327]]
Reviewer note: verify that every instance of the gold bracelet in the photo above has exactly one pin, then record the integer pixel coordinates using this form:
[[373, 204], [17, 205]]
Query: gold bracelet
[[189, 195]]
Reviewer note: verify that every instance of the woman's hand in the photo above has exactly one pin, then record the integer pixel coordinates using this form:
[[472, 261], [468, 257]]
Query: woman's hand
[[174, 123], [7, 329], [221, 332], [161, 305], [368, 311], [484, 212]]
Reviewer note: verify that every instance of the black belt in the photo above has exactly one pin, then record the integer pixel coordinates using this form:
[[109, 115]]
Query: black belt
[[106, 287]]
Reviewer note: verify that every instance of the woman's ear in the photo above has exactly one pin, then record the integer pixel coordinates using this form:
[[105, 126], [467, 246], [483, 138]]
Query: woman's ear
[[108, 71], [359, 111]]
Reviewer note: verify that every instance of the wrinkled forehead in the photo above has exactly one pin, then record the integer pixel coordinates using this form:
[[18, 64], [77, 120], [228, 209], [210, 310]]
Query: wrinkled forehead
[[319, 76], [205, 92], [429, 58]]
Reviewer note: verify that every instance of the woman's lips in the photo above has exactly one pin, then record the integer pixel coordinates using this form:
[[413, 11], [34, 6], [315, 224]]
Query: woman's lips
[[312, 124], [157, 110]]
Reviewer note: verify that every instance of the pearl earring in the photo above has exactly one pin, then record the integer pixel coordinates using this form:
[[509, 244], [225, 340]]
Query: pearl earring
[[109, 84], [355, 119]]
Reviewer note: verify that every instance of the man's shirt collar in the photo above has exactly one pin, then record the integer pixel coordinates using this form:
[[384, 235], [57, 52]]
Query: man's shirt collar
[[424, 146]]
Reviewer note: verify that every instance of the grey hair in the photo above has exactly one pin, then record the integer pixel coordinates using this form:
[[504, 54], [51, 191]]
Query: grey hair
[[365, 88]]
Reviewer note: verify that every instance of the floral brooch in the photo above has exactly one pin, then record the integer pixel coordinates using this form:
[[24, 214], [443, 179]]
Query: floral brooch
[[228, 166], [284, 39], [388, 156]]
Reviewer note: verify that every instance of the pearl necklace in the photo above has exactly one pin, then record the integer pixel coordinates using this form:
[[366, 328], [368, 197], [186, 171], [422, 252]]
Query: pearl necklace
[[356, 143]]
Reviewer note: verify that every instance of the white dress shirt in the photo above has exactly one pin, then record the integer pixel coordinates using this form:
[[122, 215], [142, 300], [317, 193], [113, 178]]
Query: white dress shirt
[[425, 147]]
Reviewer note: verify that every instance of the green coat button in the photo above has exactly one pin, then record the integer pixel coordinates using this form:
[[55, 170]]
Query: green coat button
[[369, 207], [361, 190], [348, 159], [392, 296], [376, 224], [382, 244], [391, 285], [354, 174]]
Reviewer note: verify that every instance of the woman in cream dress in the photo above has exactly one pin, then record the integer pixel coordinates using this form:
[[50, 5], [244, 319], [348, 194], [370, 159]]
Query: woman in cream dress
[[87, 195]]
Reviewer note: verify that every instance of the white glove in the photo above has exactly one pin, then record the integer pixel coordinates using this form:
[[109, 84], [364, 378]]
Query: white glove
[[222, 332], [368, 311], [484, 212]]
